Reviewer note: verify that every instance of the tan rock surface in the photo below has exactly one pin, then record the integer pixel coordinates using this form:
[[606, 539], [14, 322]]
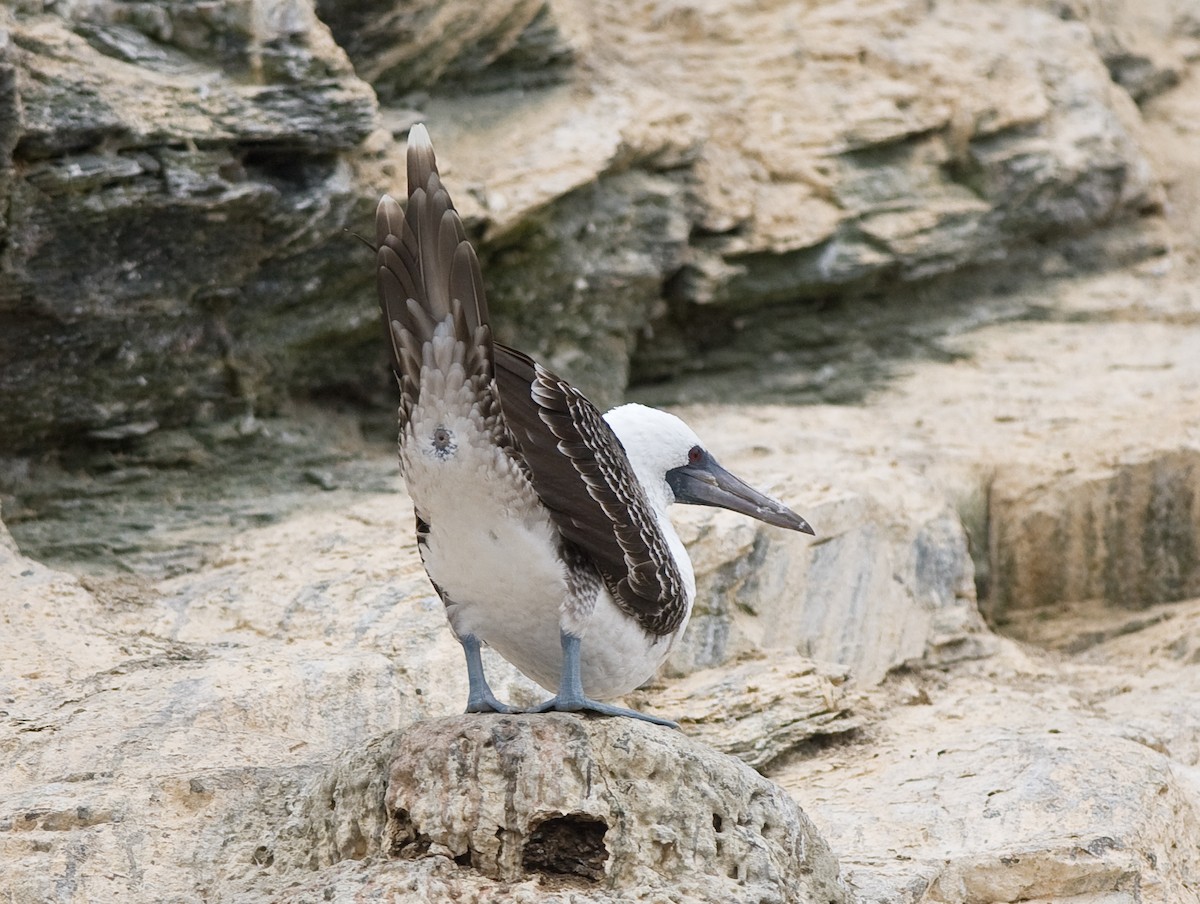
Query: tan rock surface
[[629, 812], [1019, 779], [762, 706]]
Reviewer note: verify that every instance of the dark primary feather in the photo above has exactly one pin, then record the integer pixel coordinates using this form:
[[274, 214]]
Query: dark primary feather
[[583, 477], [427, 273]]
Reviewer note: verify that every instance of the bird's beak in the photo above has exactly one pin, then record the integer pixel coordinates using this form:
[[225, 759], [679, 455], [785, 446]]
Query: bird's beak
[[707, 483]]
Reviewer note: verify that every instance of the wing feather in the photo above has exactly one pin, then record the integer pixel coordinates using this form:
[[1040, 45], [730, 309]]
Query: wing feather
[[428, 275], [583, 477]]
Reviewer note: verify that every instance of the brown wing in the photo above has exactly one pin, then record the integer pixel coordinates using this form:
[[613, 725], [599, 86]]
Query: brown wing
[[582, 475]]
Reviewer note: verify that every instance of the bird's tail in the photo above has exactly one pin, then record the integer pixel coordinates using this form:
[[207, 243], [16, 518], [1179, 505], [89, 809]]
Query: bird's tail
[[428, 277]]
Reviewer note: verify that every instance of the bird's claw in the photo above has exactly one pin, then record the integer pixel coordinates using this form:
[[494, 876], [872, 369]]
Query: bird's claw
[[581, 704], [487, 703]]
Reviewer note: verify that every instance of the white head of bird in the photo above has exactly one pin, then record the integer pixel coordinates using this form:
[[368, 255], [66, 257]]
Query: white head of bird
[[673, 465]]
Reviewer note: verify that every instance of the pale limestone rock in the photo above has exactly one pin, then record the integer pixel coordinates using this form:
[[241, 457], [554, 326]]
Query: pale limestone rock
[[623, 810], [762, 706], [911, 600], [223, 734], [1153, 700], [1000, 785], [212, 702], [554, 808], [233, 704]]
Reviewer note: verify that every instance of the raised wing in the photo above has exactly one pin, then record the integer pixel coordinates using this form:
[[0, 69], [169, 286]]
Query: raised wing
[[583, 477]]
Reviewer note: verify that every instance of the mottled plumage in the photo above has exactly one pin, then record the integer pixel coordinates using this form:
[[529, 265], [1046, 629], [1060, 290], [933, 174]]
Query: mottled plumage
[[557, 427]]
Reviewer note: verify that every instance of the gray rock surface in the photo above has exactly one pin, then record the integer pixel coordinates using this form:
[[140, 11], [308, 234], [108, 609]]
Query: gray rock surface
[[648, 184], [405, 47], [913, 595], [176, 182]]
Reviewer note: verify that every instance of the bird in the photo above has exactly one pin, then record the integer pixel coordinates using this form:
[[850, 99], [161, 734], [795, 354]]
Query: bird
[[541, 523]]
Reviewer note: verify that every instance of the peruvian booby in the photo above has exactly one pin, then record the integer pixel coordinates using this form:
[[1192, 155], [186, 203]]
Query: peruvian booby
[[541, 523]]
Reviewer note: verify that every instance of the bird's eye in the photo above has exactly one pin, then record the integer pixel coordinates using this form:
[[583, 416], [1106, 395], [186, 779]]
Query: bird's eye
[[694, 455]]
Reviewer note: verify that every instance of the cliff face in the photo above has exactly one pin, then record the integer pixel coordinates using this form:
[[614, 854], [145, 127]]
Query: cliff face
[[172, 173], [223, 674], [177, 181]]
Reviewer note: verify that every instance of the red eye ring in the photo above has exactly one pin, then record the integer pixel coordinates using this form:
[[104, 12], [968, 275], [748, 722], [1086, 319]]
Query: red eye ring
[[694, 455]]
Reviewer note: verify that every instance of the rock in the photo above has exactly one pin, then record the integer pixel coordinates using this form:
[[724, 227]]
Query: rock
[[617, 809], [227, 727], [1144, 48], [636, 215], [574, 259], [401, 48], [911, 597], [1151, 704], [972, 803], [176, 157], [1129, 535], [762, 707], [592, 298], [201, 683]]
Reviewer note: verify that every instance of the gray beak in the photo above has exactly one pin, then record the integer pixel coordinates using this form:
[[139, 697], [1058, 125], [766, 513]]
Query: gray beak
[[707, 483]]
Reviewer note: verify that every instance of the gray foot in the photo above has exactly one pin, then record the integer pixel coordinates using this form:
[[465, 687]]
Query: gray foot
[[571, 698], [487, 703], [582, 704]]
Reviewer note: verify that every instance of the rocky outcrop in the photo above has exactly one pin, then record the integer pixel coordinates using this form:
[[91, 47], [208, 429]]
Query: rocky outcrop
[[647, 185], [881, 153], [223, 674], [406, 48], [763, 706], [177, 179], [913, 596], [1129, 535], [620, 810], [247, 703], [993, 786], [247, 801]]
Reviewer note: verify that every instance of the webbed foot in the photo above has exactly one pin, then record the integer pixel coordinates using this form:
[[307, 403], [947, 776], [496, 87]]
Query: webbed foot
[[582, 704], [571, 698], [486, 702]]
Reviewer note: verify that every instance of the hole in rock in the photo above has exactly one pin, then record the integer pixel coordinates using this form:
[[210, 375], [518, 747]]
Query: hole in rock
[[572, 844], [401, 838], [286, 167]]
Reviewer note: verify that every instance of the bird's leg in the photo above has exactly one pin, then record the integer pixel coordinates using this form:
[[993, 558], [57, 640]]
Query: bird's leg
[[480, 698], [570, 697]]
